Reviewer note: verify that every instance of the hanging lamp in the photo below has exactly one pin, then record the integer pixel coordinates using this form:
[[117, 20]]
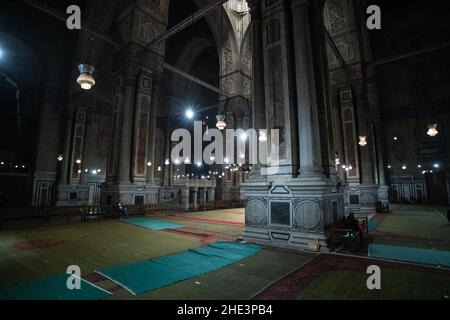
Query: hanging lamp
[[432, 130], [86, 79], [363, 141]]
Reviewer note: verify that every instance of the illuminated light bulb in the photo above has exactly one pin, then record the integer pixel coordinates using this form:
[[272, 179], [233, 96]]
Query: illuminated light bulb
[[187, 160], [78, 161], [432, 130], [159, 169], [190, 114], [363, 141], [167, 162], [212, 157], [149, 164], [60, 158], [221, 125], [404, 167], [86, 80]]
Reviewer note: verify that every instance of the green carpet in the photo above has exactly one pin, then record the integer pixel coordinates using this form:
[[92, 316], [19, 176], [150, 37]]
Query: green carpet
[[417, 223], [92, 246], [53, 288], [395, 285], [153, 274], [372, 225], [153, 224], [412, 255], [256, 272]]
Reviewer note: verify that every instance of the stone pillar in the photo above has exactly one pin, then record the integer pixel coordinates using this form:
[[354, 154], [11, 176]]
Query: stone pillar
[[203, 194], [296, 212], [258, 95], [129, 90], [157, 94], [194, 200], [185, 194], [211, 194], [64, 173], [309, 142]]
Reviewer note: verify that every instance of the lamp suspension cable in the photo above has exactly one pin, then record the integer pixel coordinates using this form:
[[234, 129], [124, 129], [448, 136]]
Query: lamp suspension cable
[[87, 66], [221, 124]]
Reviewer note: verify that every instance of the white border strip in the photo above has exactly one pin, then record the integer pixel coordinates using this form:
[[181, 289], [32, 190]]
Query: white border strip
[[116, 282], [95, 286]]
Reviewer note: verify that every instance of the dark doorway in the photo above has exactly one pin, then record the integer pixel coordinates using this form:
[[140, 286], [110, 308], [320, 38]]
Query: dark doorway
[[437, 190]]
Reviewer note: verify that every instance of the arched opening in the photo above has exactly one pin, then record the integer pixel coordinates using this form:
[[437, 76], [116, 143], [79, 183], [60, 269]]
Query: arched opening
[[194, 52]]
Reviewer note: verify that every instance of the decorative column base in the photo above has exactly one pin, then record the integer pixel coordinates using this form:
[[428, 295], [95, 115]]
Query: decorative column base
[[72, 195], [383, 196], [369, 197], [361, 198], [129, 194], [295, 215]]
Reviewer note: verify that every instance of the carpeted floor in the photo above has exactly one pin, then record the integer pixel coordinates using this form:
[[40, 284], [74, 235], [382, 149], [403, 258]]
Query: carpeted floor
[[37, 253], [330, 276]]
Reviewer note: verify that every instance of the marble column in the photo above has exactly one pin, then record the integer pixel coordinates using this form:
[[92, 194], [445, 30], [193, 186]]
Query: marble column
[[309, 135], [211, 194], [258, 93], [64, 174], [157, 94], [194, 200], [127, 124], [185, 194]]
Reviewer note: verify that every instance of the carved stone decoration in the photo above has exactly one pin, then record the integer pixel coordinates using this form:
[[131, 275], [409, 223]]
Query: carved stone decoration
[[307, 215], [256, 213], [147, 31], [227, 56], [247, 88], [368, 200], [335, 16], [327, 212], [153, 5], [247, 57], [273, 31]]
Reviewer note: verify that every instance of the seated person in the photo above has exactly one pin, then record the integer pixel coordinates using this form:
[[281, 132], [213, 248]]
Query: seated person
[[353, 224]]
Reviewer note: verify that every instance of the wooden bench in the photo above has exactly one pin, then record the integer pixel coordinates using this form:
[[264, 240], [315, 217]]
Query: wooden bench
[[339, 234], [221, 204], [206, 205], [23, 213]]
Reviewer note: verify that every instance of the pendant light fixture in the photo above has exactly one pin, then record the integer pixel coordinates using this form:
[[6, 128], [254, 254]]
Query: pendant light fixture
[[363, 141], [432, 130], [86, 79], [86, 67], [221, 124]]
